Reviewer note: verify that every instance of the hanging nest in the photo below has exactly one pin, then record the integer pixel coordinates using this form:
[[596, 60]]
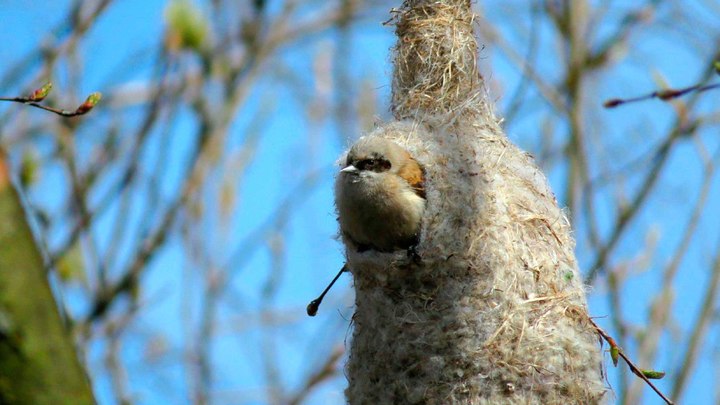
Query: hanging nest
[[435, 61], [495, 313]]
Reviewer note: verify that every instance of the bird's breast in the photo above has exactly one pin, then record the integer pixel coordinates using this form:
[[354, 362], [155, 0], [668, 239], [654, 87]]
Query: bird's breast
[[380, 210]]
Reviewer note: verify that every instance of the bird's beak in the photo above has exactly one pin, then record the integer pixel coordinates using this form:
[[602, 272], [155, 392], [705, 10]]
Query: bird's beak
[[349, 169]]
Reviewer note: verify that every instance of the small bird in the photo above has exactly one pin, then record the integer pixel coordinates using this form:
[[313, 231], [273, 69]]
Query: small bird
[[380, 196]]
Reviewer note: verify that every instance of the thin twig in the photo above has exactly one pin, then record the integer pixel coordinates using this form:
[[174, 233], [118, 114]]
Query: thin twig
[[32, 101], [313, 306], [635, 369], [326, 371], [664, 95]]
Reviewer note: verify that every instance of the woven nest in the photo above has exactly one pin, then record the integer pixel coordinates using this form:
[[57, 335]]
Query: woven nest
[[436, 60], [495, 313]]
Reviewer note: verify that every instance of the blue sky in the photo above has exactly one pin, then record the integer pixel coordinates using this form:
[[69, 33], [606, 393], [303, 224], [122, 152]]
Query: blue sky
[[119, 51]]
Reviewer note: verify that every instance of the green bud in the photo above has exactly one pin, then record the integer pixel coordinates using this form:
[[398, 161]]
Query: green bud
[[614, 355], [187, 27], [28, 169], [89, 103], [653, 374], [71, 266], [41, 93]]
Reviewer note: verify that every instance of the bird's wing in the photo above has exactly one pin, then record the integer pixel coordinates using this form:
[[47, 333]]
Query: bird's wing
[[413, 174]]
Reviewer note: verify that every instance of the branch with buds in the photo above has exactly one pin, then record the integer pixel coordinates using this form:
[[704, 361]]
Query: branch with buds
[[616, 352], [39, 95], [666, 94]]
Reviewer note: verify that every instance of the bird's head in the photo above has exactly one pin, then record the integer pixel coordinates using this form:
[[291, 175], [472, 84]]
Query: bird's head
[[374, 155]]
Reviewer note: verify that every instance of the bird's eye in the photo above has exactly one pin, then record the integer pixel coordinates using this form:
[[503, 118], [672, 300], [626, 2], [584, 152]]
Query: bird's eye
[[375, 165], [365, 164]]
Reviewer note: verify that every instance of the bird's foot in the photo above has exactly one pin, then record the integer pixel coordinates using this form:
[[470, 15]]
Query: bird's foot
[[413, 255]]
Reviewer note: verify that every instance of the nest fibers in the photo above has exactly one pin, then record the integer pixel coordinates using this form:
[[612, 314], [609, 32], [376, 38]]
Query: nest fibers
[[436, 60], [495, 313]]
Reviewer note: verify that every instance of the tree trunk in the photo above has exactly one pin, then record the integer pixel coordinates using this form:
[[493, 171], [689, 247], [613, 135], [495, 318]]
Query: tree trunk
[[38, 364]]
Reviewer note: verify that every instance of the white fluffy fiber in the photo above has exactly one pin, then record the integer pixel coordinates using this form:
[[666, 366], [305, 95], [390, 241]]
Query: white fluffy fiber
[[496, 312]]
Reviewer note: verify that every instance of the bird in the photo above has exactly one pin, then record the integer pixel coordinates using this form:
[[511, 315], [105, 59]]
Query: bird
[[380, 200], [380, 196]]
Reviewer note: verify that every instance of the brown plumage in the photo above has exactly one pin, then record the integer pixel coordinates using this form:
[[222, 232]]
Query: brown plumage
[[413, 174]]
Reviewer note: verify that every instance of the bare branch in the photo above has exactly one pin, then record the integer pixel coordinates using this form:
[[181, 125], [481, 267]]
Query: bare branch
[[615, 350]]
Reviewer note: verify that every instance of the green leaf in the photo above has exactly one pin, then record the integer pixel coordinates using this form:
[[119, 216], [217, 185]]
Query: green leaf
[[614, 354], [28, 168], [653, 374], [187, 27], [71, 266]]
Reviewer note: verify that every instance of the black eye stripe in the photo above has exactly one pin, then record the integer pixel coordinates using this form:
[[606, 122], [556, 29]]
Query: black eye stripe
[[373, 164]]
